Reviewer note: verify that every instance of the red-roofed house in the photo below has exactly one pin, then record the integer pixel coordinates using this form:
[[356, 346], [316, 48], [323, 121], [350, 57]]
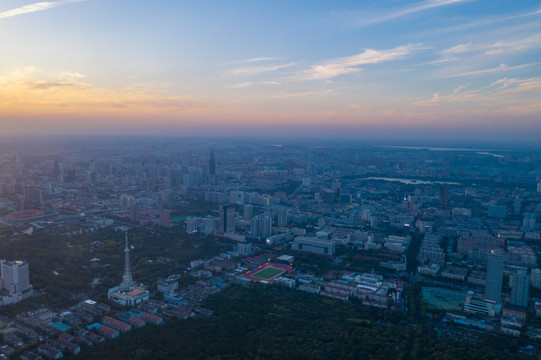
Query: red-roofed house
[[153, 319], [107, 332], [136, 321], [116, 324]]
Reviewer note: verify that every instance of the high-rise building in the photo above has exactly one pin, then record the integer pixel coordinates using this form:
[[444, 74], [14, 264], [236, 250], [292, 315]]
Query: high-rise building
[[535, 278], [227, 219], [282, 220], [493, 288], [134, 213], [265, 229], [262, 226], [15, 282], [521, 288], [58, 172], [212, 163], [209, 224], [444, 196], [248, 212], [212, 167], [529, 222]]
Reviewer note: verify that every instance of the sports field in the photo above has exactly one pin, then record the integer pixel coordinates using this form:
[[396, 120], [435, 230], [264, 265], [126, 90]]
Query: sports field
[[268, 273]]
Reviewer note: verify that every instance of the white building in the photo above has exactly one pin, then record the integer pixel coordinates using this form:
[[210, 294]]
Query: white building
[[15, 283]]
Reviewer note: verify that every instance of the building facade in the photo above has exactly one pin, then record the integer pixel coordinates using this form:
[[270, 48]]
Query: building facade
[[521, 288], [15, 282], [227, 219], [314, 245], [493, 288]]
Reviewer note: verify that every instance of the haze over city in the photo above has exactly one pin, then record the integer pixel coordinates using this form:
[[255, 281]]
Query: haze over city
[[436, 69], [270, 179]]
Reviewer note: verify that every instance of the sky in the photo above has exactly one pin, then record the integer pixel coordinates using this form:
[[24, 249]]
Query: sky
[[462, 69]]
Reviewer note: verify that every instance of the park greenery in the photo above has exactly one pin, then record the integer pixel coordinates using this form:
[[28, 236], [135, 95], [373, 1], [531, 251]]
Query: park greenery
[[267, 322], [253, 322], [65, 269]]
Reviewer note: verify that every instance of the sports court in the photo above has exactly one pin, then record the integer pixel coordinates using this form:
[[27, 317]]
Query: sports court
[[267, 272]]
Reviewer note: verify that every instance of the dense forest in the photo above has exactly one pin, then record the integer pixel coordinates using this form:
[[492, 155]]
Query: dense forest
[[62, 271], [266, 322]]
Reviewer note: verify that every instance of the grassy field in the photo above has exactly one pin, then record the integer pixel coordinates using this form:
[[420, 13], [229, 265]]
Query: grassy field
[[268, 273]]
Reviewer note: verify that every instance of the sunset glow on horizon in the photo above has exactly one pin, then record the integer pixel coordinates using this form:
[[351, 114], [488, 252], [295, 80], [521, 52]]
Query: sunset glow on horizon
[[456, 68]]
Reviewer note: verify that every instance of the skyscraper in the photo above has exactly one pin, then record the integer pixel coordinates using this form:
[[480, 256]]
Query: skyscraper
[[248, 212], [444, 196], [521, 288], [212, 163], [58, 173], [212, 167], [265, 227], [282, 220], [493, 288], [227, 219]]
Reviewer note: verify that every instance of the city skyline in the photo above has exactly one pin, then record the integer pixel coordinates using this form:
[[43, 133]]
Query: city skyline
[[443, 69]]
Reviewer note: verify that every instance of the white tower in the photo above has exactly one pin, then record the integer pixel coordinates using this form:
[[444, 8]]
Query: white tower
[[127, 283]]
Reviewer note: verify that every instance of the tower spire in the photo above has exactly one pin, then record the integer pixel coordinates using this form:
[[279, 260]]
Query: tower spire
[[127, 281]]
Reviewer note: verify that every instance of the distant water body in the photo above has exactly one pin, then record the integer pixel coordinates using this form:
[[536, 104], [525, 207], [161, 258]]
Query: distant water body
[[436, 148], [412, 181]]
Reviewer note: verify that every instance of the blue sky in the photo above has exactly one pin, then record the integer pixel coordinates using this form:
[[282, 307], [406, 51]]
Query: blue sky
[[346, 68]]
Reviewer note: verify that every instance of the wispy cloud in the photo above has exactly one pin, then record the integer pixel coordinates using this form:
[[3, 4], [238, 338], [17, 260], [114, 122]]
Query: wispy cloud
[[490, 21], [500, 68], [241, 85], [254, 70], [258, 59], [460, 88], [449, 55], [511, 47], [345, 65], [251, 83], [33, 78], [500, 47], [303, 94], [32, 90], [460, 48], [46, 85], [440, 61], [254, 60], [408, 10], [510, 95], [39, 6]]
